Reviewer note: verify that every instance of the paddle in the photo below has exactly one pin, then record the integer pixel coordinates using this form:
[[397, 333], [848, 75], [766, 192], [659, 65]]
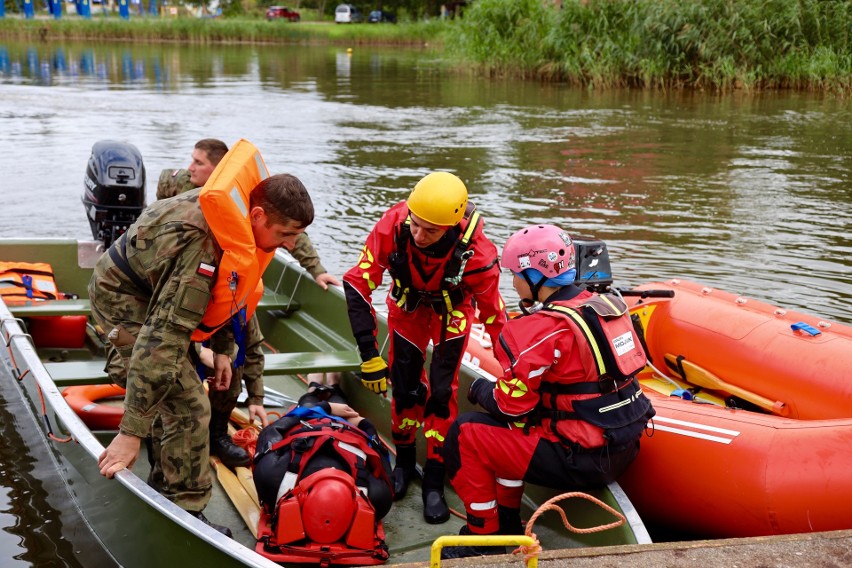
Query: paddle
[[246, 507], [701, 377]]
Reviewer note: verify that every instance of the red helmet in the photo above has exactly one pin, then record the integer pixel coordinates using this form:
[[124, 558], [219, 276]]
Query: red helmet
[[545, 248], [329, 506]]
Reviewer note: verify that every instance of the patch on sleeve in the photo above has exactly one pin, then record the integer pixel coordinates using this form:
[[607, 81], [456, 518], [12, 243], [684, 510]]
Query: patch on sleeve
[[206, 269]]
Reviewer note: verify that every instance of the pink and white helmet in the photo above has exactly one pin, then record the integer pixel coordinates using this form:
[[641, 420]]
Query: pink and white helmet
[[545, 248]]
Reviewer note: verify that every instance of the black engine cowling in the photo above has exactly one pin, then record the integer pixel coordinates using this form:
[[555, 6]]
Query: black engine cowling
[[593, 267], [114, 193]]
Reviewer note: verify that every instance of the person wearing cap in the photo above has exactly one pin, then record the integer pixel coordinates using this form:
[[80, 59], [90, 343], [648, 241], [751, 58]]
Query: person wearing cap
[[567, 412], [440, 263]]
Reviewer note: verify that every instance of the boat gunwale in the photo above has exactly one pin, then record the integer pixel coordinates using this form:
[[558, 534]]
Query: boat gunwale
[[15, 338]]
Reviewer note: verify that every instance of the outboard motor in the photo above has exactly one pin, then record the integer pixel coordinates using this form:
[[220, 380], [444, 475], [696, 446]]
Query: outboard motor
[[593, 268], [114, 195]]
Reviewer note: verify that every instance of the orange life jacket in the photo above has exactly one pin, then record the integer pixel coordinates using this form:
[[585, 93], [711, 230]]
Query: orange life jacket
[[225, 203], [22, 282]]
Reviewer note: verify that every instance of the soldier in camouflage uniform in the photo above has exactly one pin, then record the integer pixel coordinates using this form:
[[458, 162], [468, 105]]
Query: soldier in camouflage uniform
[[205, 157], [151, 291]]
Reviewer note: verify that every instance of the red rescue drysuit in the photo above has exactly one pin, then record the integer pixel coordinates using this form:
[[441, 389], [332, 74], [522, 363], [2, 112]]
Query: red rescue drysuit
[[431, 298], [567, 412]]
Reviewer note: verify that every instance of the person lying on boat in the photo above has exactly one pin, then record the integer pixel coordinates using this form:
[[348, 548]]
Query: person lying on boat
[[248, 364], [440, 262], [156, 290], [325, 464], [567, 412]]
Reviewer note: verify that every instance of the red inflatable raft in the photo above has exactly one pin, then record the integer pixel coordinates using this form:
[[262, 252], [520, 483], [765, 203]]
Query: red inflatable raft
[[754, 416]]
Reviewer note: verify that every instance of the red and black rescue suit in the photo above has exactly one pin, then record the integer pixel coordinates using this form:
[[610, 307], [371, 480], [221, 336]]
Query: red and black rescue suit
[[432, 298], [567, 412]]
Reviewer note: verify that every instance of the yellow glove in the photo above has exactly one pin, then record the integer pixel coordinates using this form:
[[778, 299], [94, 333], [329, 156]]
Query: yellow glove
[[374, 375]]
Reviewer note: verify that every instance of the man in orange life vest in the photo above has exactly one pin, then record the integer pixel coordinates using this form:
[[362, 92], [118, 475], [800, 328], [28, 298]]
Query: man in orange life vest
[[152, 289], [440, 262], [568, 411], [248, 364]]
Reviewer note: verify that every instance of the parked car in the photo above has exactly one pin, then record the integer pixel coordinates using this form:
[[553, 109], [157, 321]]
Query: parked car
[[347, 14], [275, 12], [378, 16]]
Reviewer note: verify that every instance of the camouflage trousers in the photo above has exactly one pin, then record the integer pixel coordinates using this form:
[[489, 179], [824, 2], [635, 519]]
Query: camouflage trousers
[[179, 452]]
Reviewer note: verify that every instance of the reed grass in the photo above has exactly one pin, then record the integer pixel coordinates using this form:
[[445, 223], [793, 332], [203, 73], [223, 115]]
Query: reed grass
[[706, 44]]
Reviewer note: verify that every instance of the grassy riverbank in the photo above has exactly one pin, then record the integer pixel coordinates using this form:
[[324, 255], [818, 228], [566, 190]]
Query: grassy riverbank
[[662, 44], [206, 30]]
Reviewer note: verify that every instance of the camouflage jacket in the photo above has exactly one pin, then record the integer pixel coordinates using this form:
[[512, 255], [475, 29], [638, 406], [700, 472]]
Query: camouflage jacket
[[166, 248], [175, 182]]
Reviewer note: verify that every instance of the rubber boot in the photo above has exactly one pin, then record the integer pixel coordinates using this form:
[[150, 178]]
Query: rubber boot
[[404, 470], [450, 552], [435, 509], [221, 444], [510, 520], [221, 528]]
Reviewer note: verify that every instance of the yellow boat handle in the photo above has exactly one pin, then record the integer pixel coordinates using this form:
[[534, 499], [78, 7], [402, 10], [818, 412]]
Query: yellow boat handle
[[481, 540]]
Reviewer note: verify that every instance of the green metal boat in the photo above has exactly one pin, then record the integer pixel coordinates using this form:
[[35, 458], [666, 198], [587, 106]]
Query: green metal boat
[[306, 330]]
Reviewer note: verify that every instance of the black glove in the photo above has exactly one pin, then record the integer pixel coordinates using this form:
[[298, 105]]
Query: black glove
[[481, 384]]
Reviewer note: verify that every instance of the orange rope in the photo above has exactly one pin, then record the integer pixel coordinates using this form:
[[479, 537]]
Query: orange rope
[[47, 420], [16, 372], [534, 550], [246, 438]]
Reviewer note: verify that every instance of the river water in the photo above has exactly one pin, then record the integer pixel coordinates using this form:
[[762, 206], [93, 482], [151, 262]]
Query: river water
[[746, 192]]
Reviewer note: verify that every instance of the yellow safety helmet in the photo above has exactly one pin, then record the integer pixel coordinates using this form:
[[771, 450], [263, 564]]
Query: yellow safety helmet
[[439, 198]]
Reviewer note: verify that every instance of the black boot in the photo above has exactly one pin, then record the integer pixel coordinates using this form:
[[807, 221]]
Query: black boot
[[222, 529], [435, 509], [510, 520], [451, 552], [403, 471], [221, 444]]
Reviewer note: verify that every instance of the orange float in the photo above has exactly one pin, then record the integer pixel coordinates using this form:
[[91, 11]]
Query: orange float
[[762, 445], [83, 400]]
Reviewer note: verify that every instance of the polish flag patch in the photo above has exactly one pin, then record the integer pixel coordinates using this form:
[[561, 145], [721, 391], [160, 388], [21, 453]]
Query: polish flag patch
[[206, 269]]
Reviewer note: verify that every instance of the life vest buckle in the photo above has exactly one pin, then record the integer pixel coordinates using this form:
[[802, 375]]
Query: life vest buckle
[[456, 279], [607, 383]]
